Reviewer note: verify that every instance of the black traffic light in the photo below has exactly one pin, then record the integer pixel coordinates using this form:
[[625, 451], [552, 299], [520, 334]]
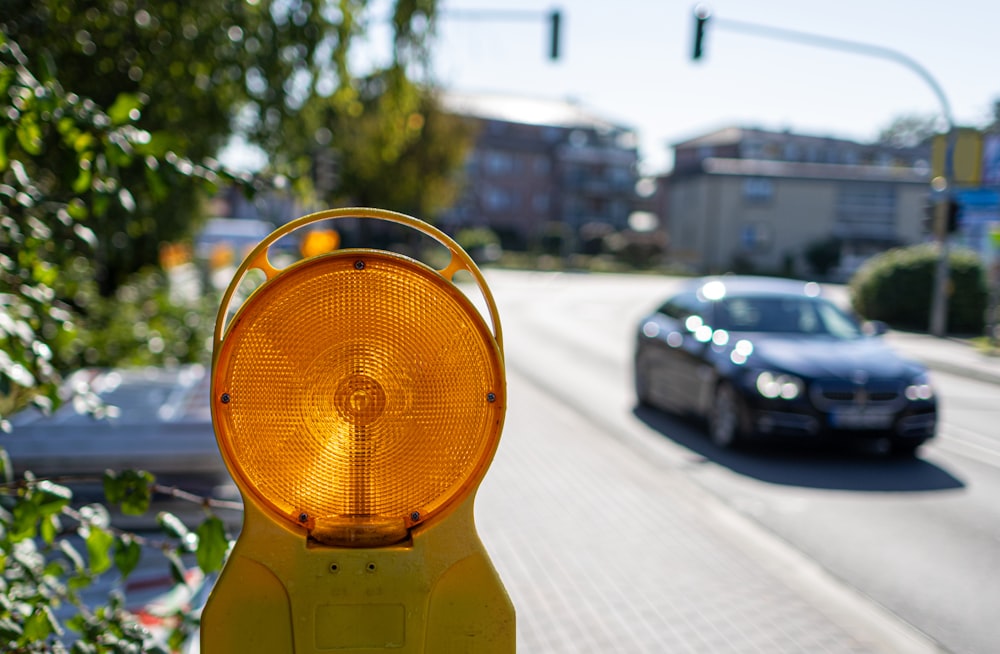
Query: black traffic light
[[948, 211], [954, 214], [701, 16], [555, 19]]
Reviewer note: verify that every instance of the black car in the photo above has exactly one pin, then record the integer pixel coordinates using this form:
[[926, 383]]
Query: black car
[[759, 356]]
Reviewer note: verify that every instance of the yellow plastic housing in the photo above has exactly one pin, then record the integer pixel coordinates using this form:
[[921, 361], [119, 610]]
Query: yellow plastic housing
[[357, 394]]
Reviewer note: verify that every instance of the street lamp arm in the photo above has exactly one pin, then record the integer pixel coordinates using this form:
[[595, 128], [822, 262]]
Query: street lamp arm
[[819, 40], [939, 304]]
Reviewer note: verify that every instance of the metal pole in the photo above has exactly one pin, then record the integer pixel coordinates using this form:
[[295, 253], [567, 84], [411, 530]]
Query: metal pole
[[939, 297]]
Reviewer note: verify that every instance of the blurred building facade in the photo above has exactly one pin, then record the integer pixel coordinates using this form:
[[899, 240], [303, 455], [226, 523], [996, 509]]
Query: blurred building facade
[[757, 200], [543, 169]]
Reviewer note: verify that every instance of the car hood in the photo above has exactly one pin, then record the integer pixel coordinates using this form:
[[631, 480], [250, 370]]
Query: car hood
[[829, 357]]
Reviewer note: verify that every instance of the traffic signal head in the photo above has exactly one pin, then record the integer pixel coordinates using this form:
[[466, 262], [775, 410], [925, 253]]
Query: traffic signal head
[[953, 217], [358, 397], [555, 24], [701, 17]]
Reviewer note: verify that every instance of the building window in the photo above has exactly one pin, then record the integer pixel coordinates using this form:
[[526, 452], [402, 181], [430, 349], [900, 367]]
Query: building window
[[758, 189], [498, 162], [541, 165], [621, 178], [497, 199], [540, 202], [866, 211]]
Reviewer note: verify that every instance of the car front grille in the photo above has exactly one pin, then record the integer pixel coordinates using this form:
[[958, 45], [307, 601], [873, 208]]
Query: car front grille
[[831, 394]]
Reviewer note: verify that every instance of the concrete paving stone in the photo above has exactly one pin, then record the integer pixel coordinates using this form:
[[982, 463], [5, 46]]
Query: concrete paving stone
[[602, 551]]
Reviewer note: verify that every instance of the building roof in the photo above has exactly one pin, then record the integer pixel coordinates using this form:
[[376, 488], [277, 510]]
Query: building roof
[[526, 110], [733, 135], [798, 169]]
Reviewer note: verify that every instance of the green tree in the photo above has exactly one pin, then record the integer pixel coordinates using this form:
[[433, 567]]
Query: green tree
[[823, 255], [110, 112], [60, 158], [278, 72], [909, 130], [895, 287], [403, 151]]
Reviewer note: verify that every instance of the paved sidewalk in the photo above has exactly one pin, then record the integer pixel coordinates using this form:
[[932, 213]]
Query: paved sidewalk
[[604, 551], [951, 355]]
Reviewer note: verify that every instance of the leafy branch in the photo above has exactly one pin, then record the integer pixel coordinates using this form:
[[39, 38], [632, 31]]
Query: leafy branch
[[45, 569]]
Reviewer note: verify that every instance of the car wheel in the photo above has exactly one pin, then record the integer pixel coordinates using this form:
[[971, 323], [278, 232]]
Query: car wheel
[[724, 423]]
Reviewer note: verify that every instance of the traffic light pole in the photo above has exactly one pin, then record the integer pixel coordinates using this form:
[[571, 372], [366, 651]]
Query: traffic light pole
[[939, 302]]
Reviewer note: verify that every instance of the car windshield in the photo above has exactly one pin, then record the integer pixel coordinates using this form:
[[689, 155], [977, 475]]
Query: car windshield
[[784, 314]]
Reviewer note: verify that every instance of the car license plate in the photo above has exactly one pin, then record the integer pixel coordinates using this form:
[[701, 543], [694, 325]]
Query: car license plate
[[858, 419]]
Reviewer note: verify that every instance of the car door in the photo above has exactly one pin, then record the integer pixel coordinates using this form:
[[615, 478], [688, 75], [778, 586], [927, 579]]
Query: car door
[[674, 355]]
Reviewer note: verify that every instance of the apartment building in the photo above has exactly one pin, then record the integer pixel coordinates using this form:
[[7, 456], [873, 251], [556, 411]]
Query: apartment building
[[753, 199], [542, 168]]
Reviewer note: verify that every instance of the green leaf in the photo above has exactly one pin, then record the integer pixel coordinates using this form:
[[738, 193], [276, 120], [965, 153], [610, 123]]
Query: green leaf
[[10, 630], [4, 161], [80, 581], [114, 487], [124, 104], [132, 489], [82, 181], [83, 141], [77, 623], [99, 541], [177, 569], [54, 569], [29, 135], [100, 204], [6, 467], [40, 625], [176, 639], [50, 529], [25, 521], [172, 525], [157, 187], [127, 554], [212, 545], [117, 155], [77, 209], [52, 498]]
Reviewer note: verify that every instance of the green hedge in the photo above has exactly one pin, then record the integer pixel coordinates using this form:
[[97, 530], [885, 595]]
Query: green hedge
[[897, 286]]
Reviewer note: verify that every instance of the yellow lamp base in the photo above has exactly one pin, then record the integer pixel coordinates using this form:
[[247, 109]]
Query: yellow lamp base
[[435, 593]]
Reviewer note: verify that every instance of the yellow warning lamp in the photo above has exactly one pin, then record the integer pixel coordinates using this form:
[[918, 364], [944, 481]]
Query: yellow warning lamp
[[358, 398]]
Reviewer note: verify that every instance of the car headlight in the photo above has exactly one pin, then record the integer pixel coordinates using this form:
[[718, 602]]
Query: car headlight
[[773, 385], [919, 388]]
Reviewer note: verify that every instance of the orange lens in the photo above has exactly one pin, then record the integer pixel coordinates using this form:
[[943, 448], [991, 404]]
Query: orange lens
[[358, 386]]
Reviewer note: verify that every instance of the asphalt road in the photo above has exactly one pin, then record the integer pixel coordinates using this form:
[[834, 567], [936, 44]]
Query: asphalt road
[[920, 537]]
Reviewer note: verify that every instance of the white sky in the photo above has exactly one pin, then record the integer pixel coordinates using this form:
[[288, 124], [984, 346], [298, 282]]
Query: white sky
[[630, 60]]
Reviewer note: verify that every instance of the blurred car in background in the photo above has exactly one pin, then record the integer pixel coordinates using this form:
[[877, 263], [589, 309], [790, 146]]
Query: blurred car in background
[[759, 357], [159, 420]]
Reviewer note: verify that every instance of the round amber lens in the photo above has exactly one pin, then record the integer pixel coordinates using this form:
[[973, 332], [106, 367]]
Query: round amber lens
[[358, 385]]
